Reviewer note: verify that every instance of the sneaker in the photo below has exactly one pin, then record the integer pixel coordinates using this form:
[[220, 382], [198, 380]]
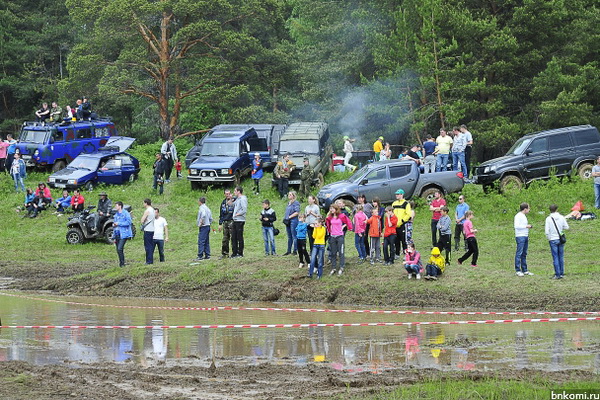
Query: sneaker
[[372, 262], [528, 273], [434, 278], [315, 271], [396, 257], [224, 256], [418, 276], [520, 274], [300, 265], [474, 265], [287, 253], [409, 276], [555, 277], [459, 262], [340, 272], [332, 272], [427, 277]]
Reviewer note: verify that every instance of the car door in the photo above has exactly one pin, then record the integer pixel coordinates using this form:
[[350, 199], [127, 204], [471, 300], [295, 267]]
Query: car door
[[536, 159], [375, 184], [401, 178], [127, 167], [110, 172], [562, 152]]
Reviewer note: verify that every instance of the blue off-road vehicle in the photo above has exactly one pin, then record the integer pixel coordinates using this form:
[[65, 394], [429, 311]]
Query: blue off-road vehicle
[[226, 157]]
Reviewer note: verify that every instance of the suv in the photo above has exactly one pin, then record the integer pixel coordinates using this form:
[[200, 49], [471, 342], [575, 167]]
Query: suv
[[307, 139], [226, 156], [538, 155], [57, 144], [270, 133]]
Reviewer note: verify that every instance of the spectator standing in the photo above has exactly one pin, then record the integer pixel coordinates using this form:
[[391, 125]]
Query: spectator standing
[[336, 223], [348, 149], [469, 149], [257, 172], [122, 230], [63, 203], [377, 147], [306, 178], [10, 151], [522, 228], [436, 206], [43, 113], [161, 234], [240, 208], [203, 221], [317, 257], [473, 249], [555, 225], [102, 211], [459, 216], [443, 225], [312, 212], [374, 223], [18, 171], [444, 142], [596, 176], [290, 220], [226, 222], [267, 217], [3, 148], [147, 222], [429, 160], [282, 173], [301, 232], [158, 178], [390, 223], [458, 152], [169, 152], [360, 227], [386, 153], [77, 201], [368, 210], [403, 211]]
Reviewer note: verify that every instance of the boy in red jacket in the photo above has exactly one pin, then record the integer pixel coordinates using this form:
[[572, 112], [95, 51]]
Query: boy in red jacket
[[389, 235]]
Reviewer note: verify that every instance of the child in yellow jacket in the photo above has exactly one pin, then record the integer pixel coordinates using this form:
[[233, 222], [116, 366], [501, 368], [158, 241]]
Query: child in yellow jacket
[[435, 265]]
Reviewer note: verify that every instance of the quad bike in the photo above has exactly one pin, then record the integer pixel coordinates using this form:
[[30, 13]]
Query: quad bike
[[79, 227]]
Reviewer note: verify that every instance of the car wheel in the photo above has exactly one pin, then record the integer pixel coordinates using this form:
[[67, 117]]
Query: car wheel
[[195, 185], [510, 183], [585, 171], [58, 165], [429, 193], [321, 180], [109, 235], [132, 178], [75, 236], [89, 186]]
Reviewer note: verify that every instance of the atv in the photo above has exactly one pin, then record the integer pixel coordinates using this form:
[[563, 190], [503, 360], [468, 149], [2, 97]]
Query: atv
[[79, 227]]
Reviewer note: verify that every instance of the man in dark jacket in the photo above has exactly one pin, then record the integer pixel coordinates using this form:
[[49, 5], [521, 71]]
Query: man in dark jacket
[[102, 211], [159, 171], [226, 222]]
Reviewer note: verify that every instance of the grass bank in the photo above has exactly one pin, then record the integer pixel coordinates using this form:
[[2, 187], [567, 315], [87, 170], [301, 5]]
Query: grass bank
[[35, 251]]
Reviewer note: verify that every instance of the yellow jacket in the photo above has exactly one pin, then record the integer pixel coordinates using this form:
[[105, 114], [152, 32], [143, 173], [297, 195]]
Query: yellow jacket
[[377, 146], [402, 211], [319, 235], [437, 259]]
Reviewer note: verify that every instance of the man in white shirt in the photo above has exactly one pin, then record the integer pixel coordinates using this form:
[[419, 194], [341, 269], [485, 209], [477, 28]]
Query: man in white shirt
[[148, 228], [555, 224], [522, 228], [348, 149], [469, 148], [169, 154], [203, 221], [161, 234]]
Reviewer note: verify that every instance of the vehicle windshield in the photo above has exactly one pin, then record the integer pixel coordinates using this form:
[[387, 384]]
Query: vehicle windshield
[[82, 162], [299, 146], [519, 147], [358, 174], [33, 136], [227, 149]]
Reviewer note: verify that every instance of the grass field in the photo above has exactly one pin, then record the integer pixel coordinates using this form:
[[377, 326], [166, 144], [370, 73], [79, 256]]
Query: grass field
[[36, 249]]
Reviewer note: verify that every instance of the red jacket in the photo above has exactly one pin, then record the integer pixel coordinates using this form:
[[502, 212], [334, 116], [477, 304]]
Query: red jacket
[[389, 230]]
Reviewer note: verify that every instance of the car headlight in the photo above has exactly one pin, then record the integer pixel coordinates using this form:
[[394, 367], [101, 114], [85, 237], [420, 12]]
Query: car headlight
[[327, 195], [489, 169], [51, 180], [224, 171], [193, 172], [72, 181], [36, 153]]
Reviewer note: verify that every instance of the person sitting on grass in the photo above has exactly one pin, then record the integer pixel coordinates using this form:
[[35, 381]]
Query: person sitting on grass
[[435, 265], [412, 261], [29, 201], [63, 203], [77, 201], [43, 197]]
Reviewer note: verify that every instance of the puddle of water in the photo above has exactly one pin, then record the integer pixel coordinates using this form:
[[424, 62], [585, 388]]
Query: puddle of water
[[543, 346]]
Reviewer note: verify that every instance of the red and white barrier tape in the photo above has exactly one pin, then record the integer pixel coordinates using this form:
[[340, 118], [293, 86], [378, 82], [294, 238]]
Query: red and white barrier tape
[[319, 310], [313, 325]]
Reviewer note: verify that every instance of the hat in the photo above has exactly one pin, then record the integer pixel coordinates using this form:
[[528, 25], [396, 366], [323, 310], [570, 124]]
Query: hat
[[400, 191], [102, 194], [380, 137], [306, 159], [435, 251], [346, 138], [256, 154]]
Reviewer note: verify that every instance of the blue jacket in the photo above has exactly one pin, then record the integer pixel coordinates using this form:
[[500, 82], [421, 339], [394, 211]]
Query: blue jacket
[[29, 198], [257, 169], [123, 221], [65, 202], [301, 229], [22, 169]]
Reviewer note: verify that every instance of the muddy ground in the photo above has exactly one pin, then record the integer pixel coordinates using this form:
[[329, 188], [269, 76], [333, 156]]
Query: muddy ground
[[22, 381]]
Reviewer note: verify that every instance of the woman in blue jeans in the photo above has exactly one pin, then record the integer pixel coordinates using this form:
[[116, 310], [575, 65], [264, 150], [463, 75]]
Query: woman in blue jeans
[[122, 230], [555, 225], [290, 219]]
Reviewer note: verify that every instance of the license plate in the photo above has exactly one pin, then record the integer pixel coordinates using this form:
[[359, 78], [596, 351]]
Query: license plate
[[208, 178], [60, 185], [294, 182]]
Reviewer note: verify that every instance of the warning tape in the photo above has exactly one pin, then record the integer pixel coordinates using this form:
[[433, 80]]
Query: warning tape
[[318, 310], [311, 325]]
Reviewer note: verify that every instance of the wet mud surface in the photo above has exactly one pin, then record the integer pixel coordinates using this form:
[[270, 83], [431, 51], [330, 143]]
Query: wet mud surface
[[266, 381]]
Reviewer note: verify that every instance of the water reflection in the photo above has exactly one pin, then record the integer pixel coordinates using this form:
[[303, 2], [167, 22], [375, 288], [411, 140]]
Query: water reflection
[[546, 346]]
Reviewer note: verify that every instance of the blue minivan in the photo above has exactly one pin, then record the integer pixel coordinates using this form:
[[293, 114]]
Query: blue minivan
[[57, 144]]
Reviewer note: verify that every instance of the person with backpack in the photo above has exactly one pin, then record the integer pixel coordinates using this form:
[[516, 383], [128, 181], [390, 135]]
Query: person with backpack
[[555, 225]]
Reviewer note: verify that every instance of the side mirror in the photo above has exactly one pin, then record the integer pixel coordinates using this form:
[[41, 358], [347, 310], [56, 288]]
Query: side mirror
[[364, 181], [528, 152]]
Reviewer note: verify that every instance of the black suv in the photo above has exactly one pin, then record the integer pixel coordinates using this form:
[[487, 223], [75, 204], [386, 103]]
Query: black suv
[[538, 155]]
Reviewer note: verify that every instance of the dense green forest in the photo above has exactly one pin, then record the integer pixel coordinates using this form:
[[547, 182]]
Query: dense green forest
[[401, 69]]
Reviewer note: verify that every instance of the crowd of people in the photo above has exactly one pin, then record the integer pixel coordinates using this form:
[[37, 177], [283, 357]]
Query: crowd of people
[[81, 112]]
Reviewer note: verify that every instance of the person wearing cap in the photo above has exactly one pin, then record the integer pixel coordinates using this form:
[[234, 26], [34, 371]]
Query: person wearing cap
[[377, 147], [348, 149], [306, 177], [257, 172], [403, 211], [102, 211]]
